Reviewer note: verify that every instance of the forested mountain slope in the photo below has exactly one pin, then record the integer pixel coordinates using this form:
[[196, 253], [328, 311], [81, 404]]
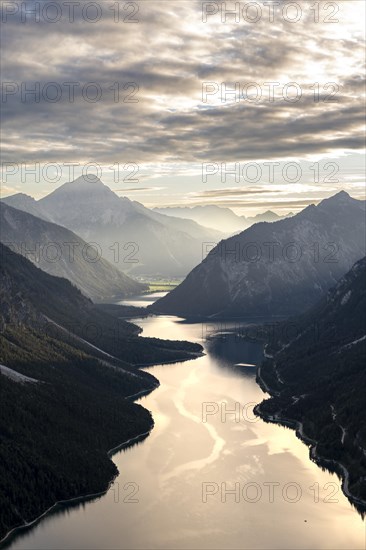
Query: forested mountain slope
[[317, 379], [66, 370]]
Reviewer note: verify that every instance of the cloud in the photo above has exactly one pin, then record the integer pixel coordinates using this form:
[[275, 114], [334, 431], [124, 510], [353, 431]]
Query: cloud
[[235, 192], [168, 55], [6, 190], [137, 189]]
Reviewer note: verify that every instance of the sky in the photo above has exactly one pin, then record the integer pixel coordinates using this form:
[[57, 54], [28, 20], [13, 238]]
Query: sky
[[179, 102]]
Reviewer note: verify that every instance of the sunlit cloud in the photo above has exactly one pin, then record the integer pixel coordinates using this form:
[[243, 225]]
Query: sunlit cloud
[[168, 129]]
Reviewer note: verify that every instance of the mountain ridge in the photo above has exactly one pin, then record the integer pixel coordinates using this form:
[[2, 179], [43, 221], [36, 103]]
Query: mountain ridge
[[137, 239], [214, 216], [61, 252], [276, 268], [329, 346]]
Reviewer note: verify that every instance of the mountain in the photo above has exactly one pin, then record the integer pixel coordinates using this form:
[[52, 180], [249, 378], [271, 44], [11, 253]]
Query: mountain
[[136, 238], [24, 202], [67, 372], [267, 216], [60, 252], [214, 217], [278, 268], [317, 380], [217, 217]]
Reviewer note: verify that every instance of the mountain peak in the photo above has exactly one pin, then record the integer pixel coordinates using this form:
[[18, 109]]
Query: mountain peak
[[26, 203], [19, 197], [88, 179], [342, 197], [83, 188], [228, 283], [268, 216], [85, 183]]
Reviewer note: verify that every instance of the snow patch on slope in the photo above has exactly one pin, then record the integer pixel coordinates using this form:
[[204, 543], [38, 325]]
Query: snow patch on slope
[[354, 343], [345, 298], [16, 376]]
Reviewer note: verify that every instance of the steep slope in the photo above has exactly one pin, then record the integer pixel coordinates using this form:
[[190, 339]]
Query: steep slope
[[60, 252], [318, 380], [24, 202], [67, 369], [48, 303], [136, 238], [278, 268]]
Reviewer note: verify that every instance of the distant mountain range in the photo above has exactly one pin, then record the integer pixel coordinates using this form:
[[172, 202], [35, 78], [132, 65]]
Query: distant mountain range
[[218, 217], [61, 252], [132, 237], [278, 268], [317, 379]]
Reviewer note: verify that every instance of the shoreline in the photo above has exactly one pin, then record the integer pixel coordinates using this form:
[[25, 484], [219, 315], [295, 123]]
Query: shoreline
[[82, 498], [332, 465], [15, 531], [195, 355]]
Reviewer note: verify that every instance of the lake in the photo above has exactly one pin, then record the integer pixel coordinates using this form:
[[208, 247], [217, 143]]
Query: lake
[[210, 474]]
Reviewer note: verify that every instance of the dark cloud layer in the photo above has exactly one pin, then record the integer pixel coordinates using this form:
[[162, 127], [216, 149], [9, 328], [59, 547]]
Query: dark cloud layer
[[169, 54]]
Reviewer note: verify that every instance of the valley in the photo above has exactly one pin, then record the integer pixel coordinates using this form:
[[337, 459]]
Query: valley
[[177, 491], [182, 275], [64, 357]]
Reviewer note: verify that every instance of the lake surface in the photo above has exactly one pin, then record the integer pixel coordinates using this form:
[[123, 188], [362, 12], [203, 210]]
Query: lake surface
[[205, 477]]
